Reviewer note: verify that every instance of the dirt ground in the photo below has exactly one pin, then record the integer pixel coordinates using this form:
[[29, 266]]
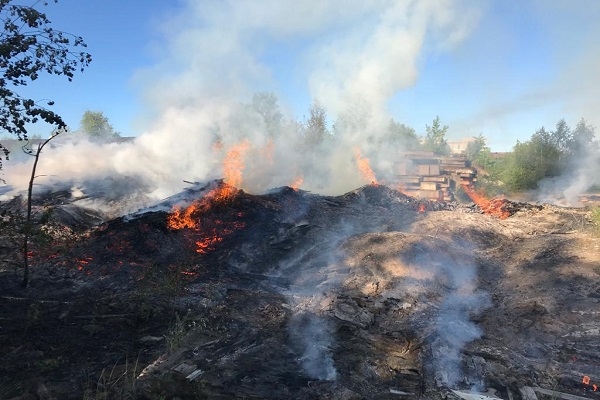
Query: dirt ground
[[301, 296]]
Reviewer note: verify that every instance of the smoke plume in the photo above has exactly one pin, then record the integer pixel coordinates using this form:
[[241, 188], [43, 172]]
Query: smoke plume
[[214, 55]]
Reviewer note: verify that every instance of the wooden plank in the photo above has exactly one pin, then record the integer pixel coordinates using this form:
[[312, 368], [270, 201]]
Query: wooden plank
[[404, 168], [409, 179], [429, 186], [439, 179], [430, 194], [423, 169]]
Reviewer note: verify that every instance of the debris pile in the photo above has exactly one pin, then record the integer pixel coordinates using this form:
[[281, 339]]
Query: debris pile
[[371, 294]]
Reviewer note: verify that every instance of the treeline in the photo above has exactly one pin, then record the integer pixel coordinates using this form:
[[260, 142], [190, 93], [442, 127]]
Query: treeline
[[547, 154], [314, 128]]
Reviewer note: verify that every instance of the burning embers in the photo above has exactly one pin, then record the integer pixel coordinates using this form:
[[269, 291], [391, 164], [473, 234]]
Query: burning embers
[[494, 207], [208, 230], [589, 384], [211, 231]]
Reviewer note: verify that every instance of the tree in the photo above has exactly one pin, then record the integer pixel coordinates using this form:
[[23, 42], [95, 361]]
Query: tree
[[435, 139], [96, 126], [267, 106], [403, 136], [28, 228], [532, 161], [583, 139], [475, 147], [29, 47], [315, 129]]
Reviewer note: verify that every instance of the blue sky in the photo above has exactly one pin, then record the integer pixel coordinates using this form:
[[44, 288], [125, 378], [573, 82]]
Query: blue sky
[[496, 67]]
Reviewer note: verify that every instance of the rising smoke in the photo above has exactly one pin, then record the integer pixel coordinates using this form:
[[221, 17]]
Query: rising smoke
[[213, 58], [461, 300]]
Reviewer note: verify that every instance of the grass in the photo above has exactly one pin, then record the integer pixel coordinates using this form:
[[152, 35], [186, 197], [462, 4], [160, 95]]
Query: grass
[[118, 383]]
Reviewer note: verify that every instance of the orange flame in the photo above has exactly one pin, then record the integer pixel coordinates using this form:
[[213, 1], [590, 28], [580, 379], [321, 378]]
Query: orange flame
[[189, 217], [233, 168], [422, 208], [297, 183], [364, 166], [586, 380], [494, 207]]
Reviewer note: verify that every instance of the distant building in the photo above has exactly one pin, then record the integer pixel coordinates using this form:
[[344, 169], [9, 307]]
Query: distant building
[[459, 146]]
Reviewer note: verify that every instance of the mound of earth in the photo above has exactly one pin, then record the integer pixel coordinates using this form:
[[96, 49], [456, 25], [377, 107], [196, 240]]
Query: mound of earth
[[296, 295]]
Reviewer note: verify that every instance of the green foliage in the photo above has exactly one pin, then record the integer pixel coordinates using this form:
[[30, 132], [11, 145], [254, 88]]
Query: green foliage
[[547, 154], [532, 161], [476, 147], [29, 47], [402, 136], [96, 126], [583, 140], [435, 139]]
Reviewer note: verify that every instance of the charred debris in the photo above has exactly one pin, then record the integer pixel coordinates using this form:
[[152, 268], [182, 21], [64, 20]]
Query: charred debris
[[217, 293]]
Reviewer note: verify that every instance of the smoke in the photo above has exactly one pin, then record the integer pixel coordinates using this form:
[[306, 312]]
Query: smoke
[[452, 327], [313, 337], [215, 54], [580, 173], [314, 273]]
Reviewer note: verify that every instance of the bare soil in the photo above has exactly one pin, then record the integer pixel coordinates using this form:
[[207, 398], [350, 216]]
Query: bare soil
[[306, 297]]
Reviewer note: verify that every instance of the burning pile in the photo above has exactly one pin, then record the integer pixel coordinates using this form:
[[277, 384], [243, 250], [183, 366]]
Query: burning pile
[[190, 217], [494, 207]]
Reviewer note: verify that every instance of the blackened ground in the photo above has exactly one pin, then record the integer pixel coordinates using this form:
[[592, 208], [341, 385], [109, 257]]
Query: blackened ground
[[306, 297]]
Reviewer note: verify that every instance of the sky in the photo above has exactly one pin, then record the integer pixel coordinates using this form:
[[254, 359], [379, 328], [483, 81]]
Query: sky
[[493, 67], [175, 74]]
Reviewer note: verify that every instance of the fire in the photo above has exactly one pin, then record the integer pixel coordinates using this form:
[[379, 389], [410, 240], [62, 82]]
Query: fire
[[83, 262], [364, 166], [586, 380], [233, 168], [190, 217], [297, 183], [495, 207], [183, 218], [422, 208]]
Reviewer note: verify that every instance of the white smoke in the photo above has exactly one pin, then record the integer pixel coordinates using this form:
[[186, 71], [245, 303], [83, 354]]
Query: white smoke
[[213, 57], [461, 299]]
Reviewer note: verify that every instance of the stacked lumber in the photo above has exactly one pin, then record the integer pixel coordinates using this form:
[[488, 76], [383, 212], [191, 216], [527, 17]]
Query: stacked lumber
[[451, 164], [422, 174]]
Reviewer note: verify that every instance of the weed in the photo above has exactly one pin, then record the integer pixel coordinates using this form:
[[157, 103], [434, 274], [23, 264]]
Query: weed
[[177, 333], [119, 383]]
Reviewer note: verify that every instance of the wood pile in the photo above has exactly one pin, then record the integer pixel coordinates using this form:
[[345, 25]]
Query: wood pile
[[423, 174]]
